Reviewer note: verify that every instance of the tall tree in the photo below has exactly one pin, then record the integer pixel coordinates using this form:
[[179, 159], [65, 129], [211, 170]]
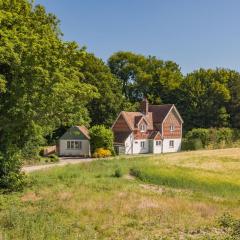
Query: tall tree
[[41, 87], [233, 106], [203, 97], [146, 76], [104, 109]]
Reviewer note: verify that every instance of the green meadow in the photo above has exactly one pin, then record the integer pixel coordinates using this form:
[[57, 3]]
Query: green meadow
[[171, 196]]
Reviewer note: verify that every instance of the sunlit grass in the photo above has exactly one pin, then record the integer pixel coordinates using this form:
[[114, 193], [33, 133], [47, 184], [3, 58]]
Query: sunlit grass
[[174, 195]]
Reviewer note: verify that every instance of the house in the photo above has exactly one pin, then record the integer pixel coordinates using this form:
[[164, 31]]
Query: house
[[75, 142], [155, 129]]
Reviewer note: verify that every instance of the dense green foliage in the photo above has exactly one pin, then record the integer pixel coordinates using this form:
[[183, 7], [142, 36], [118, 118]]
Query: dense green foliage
[[146, 77], [40, 79], [101, 137], [199, 138], [205, 98], [104, 109]]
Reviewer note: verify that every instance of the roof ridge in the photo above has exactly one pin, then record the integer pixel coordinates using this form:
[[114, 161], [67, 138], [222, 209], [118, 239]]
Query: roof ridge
[[161, 104]]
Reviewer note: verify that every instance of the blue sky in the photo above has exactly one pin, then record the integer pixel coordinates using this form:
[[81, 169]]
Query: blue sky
[[193, 33]]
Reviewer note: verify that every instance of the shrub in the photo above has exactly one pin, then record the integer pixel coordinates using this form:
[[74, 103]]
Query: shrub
[[210, 138], [101, 137], [102, 153], [230, 225], [11, 177], [199, 133], [118, 173], [53, 158], [192, 144], [136, 173]]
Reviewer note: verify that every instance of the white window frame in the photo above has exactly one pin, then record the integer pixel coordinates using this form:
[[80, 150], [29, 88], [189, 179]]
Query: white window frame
[[172, 128], [142, 144], [74, 145], [158, 142], [143, 127], [171, 144]]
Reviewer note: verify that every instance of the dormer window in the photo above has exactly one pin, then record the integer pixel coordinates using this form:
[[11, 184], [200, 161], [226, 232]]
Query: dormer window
[[172, 128], [143, 127]]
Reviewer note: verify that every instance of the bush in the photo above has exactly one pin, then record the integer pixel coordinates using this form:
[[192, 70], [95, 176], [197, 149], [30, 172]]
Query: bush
[[210, 138], [53, 158], [11, 177], [101, 137], [102, 153], [198, 133], [192, 144], [118, 173], [230, 225]]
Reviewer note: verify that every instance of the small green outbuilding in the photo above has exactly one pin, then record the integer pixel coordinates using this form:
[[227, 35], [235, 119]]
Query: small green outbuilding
[[75, 142]]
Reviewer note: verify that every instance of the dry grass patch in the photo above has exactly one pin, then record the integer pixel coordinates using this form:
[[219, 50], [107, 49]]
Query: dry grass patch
[[30, 197]]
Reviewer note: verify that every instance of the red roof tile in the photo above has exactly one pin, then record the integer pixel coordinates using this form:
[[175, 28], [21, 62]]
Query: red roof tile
[[84, 130], [159, 112]]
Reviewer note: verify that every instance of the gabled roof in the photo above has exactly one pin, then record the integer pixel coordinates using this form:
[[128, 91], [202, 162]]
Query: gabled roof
[[153, 134], [84, 131], [76, 132], [133, 118], [159, 112], [154, 118]]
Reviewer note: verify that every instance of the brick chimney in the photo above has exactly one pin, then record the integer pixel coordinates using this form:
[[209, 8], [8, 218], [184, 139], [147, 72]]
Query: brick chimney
[[144, 106]]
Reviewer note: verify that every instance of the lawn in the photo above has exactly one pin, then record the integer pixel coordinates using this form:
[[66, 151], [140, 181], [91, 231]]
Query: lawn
[[171, 196]]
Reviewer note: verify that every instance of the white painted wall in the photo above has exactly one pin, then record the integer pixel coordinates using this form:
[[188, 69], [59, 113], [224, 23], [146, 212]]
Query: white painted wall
[[157, 148], [177, 145], [137, 146], [134, 146], [85, 150], [128, 144]]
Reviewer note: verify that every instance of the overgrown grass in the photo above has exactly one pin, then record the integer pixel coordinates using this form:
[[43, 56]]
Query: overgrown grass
[[173, 196], [206, 181]]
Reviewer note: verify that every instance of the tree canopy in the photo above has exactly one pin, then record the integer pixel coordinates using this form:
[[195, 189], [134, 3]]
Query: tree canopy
[[146, 77], [105, 108], [40, 78]]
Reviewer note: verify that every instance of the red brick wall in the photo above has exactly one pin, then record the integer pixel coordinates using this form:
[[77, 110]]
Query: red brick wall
[[140, 135], [172, 119]]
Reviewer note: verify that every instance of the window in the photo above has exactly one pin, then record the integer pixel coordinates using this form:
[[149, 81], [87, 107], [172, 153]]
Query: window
[[158, 143], [172, 128], [171, 144], [74, 145], [142, 144], [78, 145], [142, 127]]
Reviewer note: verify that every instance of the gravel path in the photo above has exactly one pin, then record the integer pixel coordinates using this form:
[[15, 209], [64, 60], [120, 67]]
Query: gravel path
[[62, 162], [70, 160]]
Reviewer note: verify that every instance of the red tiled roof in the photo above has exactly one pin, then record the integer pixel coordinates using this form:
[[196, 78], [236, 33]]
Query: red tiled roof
[[154, 118], [133, 118], [159, 112], [84, 130], [130, 118]]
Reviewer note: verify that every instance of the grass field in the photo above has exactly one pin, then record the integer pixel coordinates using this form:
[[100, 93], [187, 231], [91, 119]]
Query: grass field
[[171, 196]]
